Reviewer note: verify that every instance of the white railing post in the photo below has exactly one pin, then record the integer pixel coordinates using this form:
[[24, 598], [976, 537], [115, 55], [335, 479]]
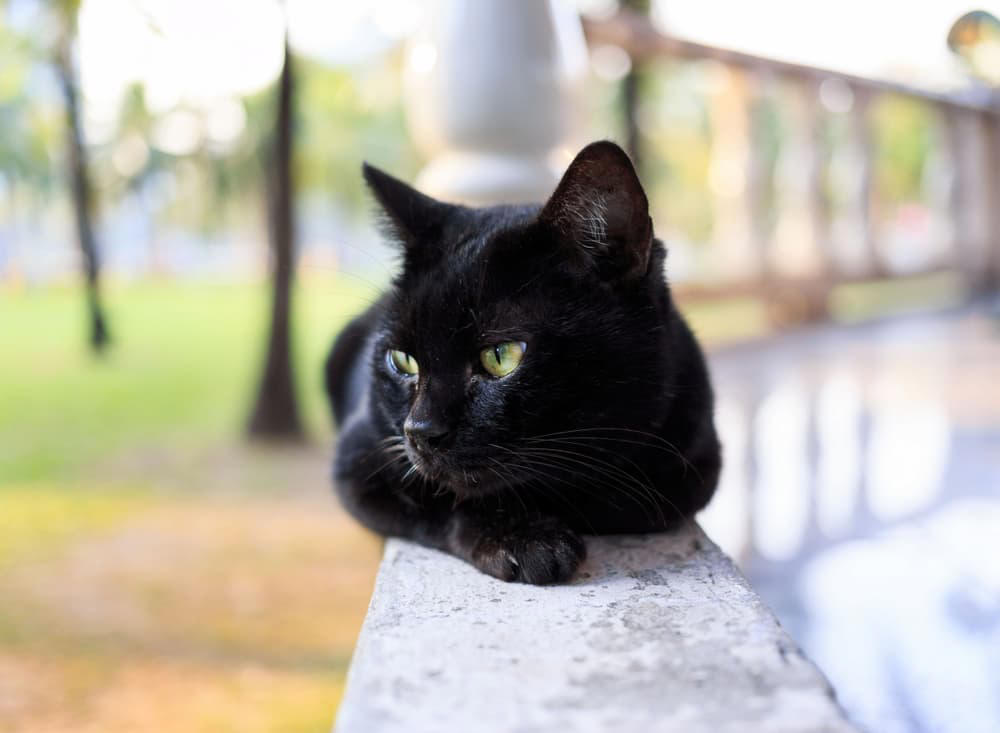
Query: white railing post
[[492, 95], [739, 246], [863, 139], [991, 129]]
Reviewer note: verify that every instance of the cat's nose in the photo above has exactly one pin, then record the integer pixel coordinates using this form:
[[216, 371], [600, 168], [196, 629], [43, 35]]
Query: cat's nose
[[425, 433]]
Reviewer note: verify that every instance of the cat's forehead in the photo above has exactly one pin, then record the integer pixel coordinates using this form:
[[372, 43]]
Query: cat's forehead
[[471, 283], [480, 283], [473, 235]]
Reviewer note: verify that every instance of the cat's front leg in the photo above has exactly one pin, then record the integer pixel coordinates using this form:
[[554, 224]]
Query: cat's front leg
[[528, 549]]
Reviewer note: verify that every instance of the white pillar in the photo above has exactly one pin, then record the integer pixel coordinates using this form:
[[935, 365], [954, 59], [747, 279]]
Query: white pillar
[[739, 243], [493, 92]]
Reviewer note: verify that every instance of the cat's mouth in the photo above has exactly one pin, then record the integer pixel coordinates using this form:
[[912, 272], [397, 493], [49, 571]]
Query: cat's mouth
[[464, 476]]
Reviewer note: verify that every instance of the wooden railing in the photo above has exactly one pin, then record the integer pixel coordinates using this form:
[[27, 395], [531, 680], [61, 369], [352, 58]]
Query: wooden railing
[[969, 190]]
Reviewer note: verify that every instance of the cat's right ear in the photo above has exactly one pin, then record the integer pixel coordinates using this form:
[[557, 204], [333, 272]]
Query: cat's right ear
[[600, 210], [412, 218]]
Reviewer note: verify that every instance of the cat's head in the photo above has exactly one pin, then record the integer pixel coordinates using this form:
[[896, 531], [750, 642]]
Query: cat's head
[[512, 323]]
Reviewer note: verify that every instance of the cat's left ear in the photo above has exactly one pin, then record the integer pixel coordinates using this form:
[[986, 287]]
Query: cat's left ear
[[412, 217], [599, 208]]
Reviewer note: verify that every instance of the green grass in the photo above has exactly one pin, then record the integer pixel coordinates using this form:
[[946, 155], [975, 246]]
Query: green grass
[[182, 369], [145, 552]]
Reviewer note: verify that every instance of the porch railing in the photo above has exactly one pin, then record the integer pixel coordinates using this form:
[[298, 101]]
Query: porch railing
[[966, 181]]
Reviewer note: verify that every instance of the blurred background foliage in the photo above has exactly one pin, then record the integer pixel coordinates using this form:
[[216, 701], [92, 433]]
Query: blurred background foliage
[[198, 169]]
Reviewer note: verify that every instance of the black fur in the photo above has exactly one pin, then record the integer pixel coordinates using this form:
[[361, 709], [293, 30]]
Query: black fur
[[606, 425]]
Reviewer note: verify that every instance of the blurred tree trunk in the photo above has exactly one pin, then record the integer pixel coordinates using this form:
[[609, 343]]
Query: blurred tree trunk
[[276, 412], [80, 189]]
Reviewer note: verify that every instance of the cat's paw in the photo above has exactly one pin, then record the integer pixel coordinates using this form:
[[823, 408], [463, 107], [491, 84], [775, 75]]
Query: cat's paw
[[537, 551]]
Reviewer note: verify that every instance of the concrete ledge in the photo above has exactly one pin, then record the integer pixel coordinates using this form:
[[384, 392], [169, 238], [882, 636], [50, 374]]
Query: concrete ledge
[[658, 633]]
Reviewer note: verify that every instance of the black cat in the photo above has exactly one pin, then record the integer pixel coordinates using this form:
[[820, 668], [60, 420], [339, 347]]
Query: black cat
[[526, 378]]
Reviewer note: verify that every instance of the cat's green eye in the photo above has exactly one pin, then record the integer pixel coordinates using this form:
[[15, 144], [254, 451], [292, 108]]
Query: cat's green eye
[[403, 362], [502, 359]]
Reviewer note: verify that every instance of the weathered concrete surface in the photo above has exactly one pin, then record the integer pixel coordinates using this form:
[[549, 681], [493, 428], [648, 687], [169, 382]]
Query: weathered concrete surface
[[657, 633]]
